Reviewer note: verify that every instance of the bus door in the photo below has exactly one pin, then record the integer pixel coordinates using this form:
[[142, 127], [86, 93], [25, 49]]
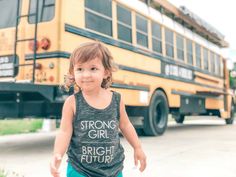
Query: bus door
[[19, 36], [8, 63], [41, 50], [13, 36]]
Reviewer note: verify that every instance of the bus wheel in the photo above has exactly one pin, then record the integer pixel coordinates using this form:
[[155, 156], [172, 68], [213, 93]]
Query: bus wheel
[[179, 118], [231, 119], [156, 122]]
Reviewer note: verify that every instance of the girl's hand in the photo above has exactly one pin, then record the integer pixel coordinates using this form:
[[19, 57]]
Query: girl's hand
[[55, 164], [141, 157]]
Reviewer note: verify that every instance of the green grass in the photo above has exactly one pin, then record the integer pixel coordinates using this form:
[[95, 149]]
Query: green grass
[[2, 173], [16, 126]]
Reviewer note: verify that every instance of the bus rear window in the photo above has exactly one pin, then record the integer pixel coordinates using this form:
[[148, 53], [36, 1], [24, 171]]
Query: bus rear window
[[46, 10], [8, 10]]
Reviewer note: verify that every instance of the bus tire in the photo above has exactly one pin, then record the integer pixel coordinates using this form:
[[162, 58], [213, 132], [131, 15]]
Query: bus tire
[[179, 118], [231, 119], [156, 122]]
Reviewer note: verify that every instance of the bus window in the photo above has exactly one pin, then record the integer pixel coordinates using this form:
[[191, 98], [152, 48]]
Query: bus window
[[217, 64], [142, 31], [180, 47], [212, 59], [198, 55], [221, 67], [124, 24], [98, 16], [46, 10], [156, 37], [189, 52], [169, 40], [8, 10], [205, 58]]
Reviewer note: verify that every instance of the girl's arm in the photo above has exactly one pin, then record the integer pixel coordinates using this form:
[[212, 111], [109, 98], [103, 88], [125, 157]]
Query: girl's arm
[[64, 135], [130, 134]]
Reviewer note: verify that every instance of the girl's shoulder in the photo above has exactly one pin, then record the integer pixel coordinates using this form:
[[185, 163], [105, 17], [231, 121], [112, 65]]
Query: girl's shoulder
[[70, 99], [70, 102]]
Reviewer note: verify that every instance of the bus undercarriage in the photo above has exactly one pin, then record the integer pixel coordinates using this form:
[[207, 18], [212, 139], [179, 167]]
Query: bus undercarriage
[[19, 100]]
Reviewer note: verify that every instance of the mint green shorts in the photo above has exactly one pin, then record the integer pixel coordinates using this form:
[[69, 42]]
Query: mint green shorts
[[71, 172]]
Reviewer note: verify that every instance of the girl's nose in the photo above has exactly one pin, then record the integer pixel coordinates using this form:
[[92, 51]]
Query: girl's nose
[[86, 73]]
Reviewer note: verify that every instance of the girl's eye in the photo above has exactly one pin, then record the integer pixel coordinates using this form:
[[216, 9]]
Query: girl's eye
[[94, 69], [79, 69]]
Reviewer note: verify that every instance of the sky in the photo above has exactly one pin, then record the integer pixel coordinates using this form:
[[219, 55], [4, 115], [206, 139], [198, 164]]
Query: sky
[[219, 14]]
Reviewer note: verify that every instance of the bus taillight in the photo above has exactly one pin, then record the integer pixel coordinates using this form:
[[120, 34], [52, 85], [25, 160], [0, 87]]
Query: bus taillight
[[45, 43]]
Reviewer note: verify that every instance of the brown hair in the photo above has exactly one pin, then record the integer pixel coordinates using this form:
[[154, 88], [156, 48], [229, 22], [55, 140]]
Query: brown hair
[[86, 52]]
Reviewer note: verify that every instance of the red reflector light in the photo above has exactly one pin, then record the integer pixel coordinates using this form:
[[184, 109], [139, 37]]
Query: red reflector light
[[31, 45], [51, 78]]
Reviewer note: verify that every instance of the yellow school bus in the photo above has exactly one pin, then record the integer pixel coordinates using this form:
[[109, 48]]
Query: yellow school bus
[[169, 59]]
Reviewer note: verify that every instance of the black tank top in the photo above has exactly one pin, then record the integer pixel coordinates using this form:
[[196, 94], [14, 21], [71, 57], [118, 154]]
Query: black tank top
[[95, 149]]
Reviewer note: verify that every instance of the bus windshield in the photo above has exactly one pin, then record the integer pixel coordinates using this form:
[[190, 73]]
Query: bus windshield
[[8, 10]]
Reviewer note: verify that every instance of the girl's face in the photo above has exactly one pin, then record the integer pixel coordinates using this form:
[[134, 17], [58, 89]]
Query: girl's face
[[89, 75]]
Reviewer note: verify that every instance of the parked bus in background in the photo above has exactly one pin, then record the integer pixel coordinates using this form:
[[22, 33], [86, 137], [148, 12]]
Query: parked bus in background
[[170, 60]]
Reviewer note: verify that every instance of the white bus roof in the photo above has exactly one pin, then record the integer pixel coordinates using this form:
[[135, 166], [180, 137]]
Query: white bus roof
[[189, 20]]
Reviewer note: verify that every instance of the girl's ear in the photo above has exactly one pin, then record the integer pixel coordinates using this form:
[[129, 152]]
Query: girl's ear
[[107, 74]]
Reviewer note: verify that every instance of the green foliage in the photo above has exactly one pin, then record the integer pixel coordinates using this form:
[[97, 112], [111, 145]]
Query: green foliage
[[4, 173], [232, 77]]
